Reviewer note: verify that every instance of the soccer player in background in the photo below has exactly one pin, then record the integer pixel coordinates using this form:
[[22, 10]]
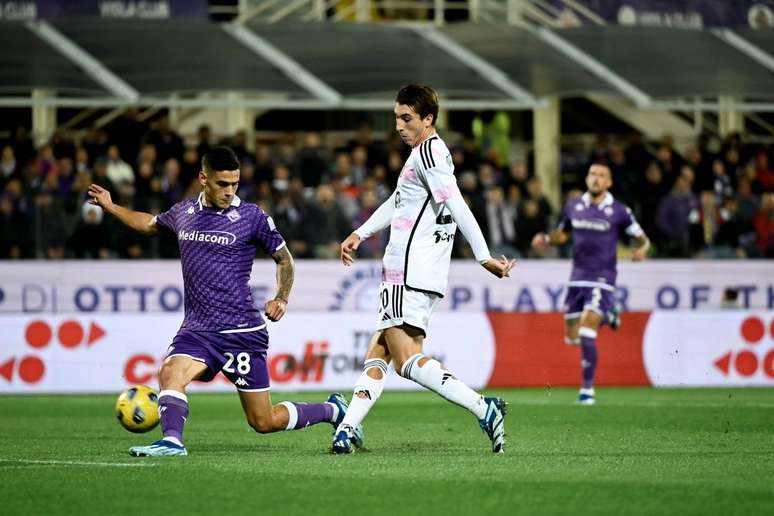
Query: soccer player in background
[[596, 221], [218, 235], [423, 214]]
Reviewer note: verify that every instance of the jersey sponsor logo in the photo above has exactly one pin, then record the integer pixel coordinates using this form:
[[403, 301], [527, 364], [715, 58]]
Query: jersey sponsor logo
[[592, 224], [443, 236], [212, 237], [240, 381]]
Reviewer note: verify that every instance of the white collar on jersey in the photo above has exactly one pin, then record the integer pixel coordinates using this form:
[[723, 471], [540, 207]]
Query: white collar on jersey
[[607, 201], [434, 134], [236, 201]]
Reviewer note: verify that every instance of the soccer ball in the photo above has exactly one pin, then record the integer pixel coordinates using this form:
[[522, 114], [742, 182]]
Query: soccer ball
[[137, 409]]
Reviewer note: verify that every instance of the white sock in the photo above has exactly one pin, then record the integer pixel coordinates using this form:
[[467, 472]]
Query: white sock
[[367, 390], [292, 415], [432, 376], [335, 414]]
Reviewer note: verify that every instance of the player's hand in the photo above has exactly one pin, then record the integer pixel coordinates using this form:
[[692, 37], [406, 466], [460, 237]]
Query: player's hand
[[539, 241], [275, 309], [500, 268], [639, 254], [348, 248], [99, 196]]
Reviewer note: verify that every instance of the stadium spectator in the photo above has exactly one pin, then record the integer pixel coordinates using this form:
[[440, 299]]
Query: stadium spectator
[[325, 224], [764, 226], [165, 140], [731, 230], [190, 166], [22, 144], [528, 224], [764, 175], [8, 164], [676, 214], [91, 238], [118, 170], [204, 134], [499, 224], [312, 160], [14, 228], [535, 192], [127, 132]]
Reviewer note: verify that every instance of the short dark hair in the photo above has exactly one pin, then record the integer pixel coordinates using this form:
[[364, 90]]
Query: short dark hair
[[219, 158], [422, 99]]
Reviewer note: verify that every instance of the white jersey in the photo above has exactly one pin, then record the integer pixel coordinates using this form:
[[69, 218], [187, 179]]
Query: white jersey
[[422, 229]]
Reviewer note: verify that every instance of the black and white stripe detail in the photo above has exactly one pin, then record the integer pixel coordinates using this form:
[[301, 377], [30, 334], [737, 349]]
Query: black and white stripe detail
[[409, 365], [397, 301], [377, 363], [426, 153]]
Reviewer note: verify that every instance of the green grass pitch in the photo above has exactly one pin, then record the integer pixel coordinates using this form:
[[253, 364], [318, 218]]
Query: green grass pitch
[[639, 451]]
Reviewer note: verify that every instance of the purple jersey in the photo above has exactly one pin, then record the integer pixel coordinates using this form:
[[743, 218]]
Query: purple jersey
[[217, 249], [595, 231]]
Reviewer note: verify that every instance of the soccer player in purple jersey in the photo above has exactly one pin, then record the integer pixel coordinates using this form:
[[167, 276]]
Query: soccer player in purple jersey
[[596, 221], [222, 331]]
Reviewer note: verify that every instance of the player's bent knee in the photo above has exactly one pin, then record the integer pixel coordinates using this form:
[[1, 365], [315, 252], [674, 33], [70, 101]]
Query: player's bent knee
[[375, 373]]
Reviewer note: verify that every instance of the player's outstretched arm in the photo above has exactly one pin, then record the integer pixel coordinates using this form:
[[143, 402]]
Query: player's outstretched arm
[[467, 223], [555, 237], [380, 219], [641, 247], [137, 220], [276, 308]]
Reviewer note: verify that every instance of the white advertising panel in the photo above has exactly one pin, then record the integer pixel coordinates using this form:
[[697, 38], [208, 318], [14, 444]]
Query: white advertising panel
[[106, 287], [308, 351], [721, 348]]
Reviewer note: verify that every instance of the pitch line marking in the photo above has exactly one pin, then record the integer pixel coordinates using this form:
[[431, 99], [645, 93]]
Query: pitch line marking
[[76, 463]]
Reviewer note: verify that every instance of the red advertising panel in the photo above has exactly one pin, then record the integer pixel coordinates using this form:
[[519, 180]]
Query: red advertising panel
[[531, 351]]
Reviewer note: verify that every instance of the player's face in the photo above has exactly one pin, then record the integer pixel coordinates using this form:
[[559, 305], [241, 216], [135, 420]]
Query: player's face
[[599, 179], [219, 187], [410, 126]]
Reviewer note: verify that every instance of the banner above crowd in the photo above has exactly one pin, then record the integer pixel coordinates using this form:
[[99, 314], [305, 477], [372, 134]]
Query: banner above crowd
[[145, 9], [687, 14], [39, 287]]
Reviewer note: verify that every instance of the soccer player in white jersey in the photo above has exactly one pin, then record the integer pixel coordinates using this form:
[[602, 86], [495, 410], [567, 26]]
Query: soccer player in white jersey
[[423, 214]]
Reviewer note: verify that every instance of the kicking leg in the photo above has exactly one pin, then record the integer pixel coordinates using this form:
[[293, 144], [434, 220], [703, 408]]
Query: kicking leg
[[266, 418], [405, 345], [589, 323], [367, 390], [175, 375]]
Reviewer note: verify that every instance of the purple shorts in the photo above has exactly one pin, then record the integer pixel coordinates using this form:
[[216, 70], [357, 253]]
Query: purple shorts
[[240, 356], [580, 299]]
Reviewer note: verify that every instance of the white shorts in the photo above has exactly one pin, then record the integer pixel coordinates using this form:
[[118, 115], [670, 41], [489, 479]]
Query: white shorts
[[400, 305]]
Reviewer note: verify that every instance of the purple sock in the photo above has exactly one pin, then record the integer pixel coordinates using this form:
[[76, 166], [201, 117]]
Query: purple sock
[[302, 415], [588, 341], [173, 409]]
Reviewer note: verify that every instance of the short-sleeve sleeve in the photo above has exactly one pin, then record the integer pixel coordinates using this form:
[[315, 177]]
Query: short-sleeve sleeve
[[630, 224], [565, 221], [266, 235], [168, 219], [436, 170]]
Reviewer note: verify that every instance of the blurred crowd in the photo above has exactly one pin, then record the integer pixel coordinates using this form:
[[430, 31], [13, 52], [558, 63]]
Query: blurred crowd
[[715, 200]]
